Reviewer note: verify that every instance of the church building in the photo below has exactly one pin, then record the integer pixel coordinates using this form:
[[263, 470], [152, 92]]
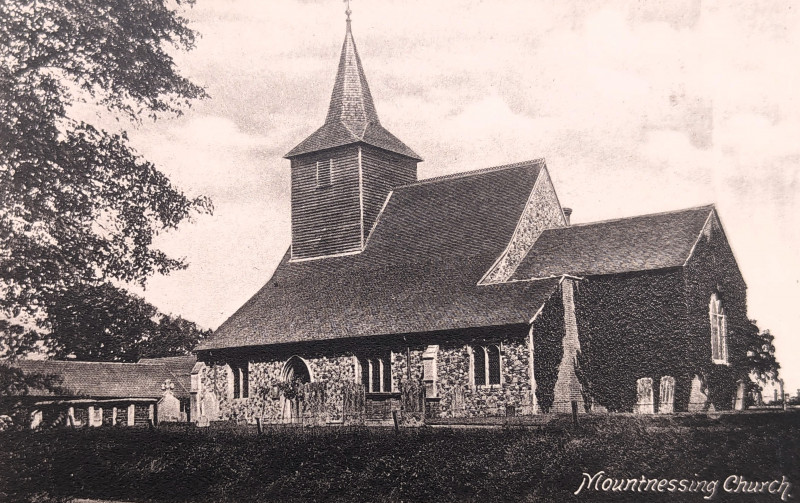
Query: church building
[[469, 295]]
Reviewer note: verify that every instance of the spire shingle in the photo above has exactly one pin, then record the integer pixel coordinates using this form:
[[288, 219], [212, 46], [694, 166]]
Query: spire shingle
[[351, 115]]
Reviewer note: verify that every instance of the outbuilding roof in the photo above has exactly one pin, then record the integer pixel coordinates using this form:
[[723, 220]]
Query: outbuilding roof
[[640, 243], [104, 379]]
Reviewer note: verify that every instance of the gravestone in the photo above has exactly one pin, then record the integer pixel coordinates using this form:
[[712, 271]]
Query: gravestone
[[644, 396], [169, 407], [740, 394], [457, 405], [666, 400], [698, 398], [95, 416]]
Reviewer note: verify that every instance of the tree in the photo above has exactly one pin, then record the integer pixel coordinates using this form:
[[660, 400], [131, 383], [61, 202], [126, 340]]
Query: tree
[[78, 207], [761, 354], [106, 323], [174, 336]]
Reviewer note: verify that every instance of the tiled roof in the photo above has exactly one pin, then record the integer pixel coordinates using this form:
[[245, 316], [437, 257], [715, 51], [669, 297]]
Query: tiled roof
[[639, 243], [180, 366], [105, 379], [419, 271], [351, 115]]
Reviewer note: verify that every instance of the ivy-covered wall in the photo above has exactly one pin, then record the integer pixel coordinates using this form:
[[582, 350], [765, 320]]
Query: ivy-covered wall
[[656, 323], [632, 326], [548, 332], [712, 269]]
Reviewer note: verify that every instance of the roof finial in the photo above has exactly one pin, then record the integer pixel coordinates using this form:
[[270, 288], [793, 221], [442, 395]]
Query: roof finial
[[348, 11]]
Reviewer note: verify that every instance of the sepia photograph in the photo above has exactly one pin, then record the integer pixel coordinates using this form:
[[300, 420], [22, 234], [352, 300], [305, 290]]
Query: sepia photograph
[[399, 251]]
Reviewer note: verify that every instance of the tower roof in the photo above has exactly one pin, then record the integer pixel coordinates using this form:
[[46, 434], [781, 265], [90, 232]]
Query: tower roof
[[351, 115]]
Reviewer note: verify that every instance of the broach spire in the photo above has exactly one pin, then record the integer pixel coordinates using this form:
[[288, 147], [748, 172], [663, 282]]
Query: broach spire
[[351, 114]]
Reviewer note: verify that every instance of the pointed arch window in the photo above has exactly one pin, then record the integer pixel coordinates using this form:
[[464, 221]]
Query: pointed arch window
[[719, 331], [486, 370]]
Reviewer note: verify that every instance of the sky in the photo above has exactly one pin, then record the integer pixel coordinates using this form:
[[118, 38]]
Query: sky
[[637, 107]]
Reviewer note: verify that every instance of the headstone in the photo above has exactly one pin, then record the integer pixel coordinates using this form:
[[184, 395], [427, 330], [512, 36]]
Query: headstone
[[36, 419], [457, 405], [644, 396], [666, 395], [169, 408], [95, 416], [740, 394], [698, 399]]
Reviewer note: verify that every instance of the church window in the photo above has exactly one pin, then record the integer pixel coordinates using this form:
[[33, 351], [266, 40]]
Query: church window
[[479, 366], [376, 374], [241, 380], [486, 366], [719, 331], [493, 364], [324, 169]]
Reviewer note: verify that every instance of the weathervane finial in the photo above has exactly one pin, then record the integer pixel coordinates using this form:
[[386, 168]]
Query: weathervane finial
[[348, 11]]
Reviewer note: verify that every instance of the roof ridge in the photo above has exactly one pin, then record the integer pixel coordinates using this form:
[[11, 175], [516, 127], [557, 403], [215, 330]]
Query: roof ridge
[[474, 172], [669, 212], [84, 361]]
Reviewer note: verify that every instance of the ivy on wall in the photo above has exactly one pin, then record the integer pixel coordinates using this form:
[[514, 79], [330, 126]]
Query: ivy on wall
[[656, 323], [548, 349], [713, 270]]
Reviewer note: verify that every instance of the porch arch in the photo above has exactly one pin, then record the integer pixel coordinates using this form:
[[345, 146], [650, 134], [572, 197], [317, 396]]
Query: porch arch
[[296, 368]]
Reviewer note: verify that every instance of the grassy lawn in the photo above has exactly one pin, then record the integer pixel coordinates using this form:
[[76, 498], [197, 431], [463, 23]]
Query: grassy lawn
[[425, 464]]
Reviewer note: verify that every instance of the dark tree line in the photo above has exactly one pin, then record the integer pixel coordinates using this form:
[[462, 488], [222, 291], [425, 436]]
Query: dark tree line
[[79, 208]]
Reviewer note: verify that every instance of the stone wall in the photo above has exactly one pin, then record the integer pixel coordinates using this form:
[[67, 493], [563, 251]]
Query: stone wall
[[456, 393], [330, 375], [541, 212], [513, 396]]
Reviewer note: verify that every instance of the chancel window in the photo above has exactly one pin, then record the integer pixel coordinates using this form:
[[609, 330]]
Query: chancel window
[[376, 374], [486, 365], [324, 169], [719, 331], [241, 380]]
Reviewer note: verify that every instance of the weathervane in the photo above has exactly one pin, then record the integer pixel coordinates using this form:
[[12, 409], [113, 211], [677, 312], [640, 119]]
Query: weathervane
[[348, 11]]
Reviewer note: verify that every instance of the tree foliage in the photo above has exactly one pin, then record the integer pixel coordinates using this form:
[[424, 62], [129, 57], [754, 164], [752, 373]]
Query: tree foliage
[[761, 353], [105, 323], [78, 207]]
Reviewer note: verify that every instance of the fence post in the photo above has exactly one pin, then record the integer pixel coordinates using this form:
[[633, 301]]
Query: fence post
[[575, 413]]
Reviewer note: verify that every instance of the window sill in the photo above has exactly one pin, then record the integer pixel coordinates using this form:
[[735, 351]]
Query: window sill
[[488, 386], [382, 394], [721, 362]]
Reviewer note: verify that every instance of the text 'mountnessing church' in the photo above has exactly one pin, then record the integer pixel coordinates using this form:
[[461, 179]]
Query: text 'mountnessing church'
[[469, 295]]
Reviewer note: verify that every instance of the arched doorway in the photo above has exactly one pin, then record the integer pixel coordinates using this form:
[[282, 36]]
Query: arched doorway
[[295, 375]]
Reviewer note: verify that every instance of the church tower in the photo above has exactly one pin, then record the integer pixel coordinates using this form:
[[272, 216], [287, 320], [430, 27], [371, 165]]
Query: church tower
[[342, 173]]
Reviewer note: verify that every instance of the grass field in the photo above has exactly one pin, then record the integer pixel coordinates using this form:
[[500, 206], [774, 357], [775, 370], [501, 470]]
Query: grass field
[[424, 464]]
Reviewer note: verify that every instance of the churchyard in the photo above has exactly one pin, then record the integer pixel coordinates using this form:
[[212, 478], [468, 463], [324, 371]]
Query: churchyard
[[544, 461]]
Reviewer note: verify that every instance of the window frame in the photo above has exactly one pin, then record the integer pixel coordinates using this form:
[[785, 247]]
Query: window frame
[[241, 380], [327, 169], [482, 378], [376, 370], [718, 321]]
